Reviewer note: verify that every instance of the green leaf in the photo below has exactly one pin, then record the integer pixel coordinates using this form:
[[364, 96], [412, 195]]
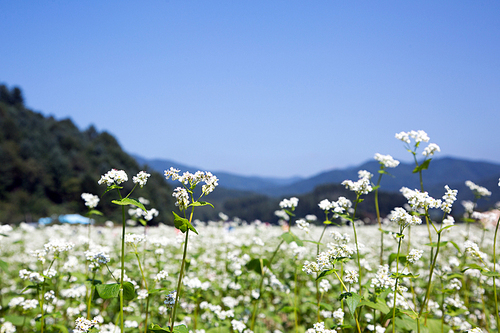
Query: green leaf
[[200, 204], [129, 201], [107, 291], [257, 264], [423, 166], [473, 266], [289, 237], [436, 244], [287, 309], [444, 228], [490, 273], [157, 328], [128, 291], [183, 224], [181, 329], [352, 302], [4, 266], [15, 320], [325, 273], [61, 328], [110, 188], [379, 305], [94, 212], [393, 257], [326, 306]]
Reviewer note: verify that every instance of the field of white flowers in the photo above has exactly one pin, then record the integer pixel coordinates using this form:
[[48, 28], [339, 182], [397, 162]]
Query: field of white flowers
[[416, 270]]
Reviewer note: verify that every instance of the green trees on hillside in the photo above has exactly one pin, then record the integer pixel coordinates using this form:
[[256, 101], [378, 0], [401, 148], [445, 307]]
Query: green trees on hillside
[[46, 164]]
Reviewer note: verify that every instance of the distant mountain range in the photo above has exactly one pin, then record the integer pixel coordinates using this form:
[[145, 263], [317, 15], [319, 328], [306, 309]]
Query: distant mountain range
[[442, 171]]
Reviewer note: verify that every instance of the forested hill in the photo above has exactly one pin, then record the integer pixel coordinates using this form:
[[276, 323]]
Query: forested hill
[[46, 164]]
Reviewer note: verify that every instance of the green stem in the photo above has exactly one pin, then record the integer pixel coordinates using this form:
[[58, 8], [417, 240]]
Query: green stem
[[354, 314], [318, 294], [256, 304], [497, 317], [356, 241], [379, 221], [426, 299], [396, 288], [122, 269], [179, 282]]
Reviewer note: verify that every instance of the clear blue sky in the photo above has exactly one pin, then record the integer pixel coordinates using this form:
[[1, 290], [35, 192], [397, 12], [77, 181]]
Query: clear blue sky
[[270, 88]]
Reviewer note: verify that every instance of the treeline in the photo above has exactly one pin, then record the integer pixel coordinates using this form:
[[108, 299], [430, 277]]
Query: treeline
[[46, 164], [250, 207]]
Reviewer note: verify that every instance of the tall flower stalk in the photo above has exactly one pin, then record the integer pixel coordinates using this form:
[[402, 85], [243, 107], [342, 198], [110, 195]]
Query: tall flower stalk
[[386, 161], [113, 179], [360, 187], [185, 199]]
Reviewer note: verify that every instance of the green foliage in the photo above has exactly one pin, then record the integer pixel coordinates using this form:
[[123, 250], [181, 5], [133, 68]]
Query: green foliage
[[47, 164]]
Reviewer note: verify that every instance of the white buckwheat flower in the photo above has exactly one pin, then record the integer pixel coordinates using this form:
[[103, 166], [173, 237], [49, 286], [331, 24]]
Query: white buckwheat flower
[[351, 276], [386, 160], [141, 178], [478, 190], [289, 203], [414, 256], [113, 177], [134, 240], [431, 149], [182, 196], [91, 200], [303, 225], [448, 199]]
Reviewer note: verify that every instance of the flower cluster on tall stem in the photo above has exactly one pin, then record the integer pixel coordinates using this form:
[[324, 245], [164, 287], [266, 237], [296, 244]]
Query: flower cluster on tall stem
[[185, 198], [113, 179]]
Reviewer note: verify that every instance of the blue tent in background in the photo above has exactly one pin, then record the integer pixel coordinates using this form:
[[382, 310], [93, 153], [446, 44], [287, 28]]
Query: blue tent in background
[[45, 220], [74, 219]]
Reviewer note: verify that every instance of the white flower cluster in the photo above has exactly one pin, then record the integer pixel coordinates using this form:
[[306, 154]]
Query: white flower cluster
[[320, 328], [7, 327], [182, 196], [289, 203], [414, 256], [362, 186], [386, 160], [217, 309], [91, 200], [239, 326], [382, 279], [303, 225], [418, 136], [34, 277], [324, 286], [338, 207], [133, 239], [195, 283], [338, 315], [448, 199], [58, 246], [422, 200], [325, 260], [210, 180], [351, 276], [96, 258], [478, 190], [431, 149], [400, 216], [140, 213], [83, 325], [473, 249], [161, 276], [141, 178], [419, 200], [113, 177], [475, 330]]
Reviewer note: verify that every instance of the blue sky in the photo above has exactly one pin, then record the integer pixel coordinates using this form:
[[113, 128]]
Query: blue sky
[[270, 88]]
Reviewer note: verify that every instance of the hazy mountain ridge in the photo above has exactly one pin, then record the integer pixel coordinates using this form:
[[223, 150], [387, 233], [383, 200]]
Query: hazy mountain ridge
[[442, 171]]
